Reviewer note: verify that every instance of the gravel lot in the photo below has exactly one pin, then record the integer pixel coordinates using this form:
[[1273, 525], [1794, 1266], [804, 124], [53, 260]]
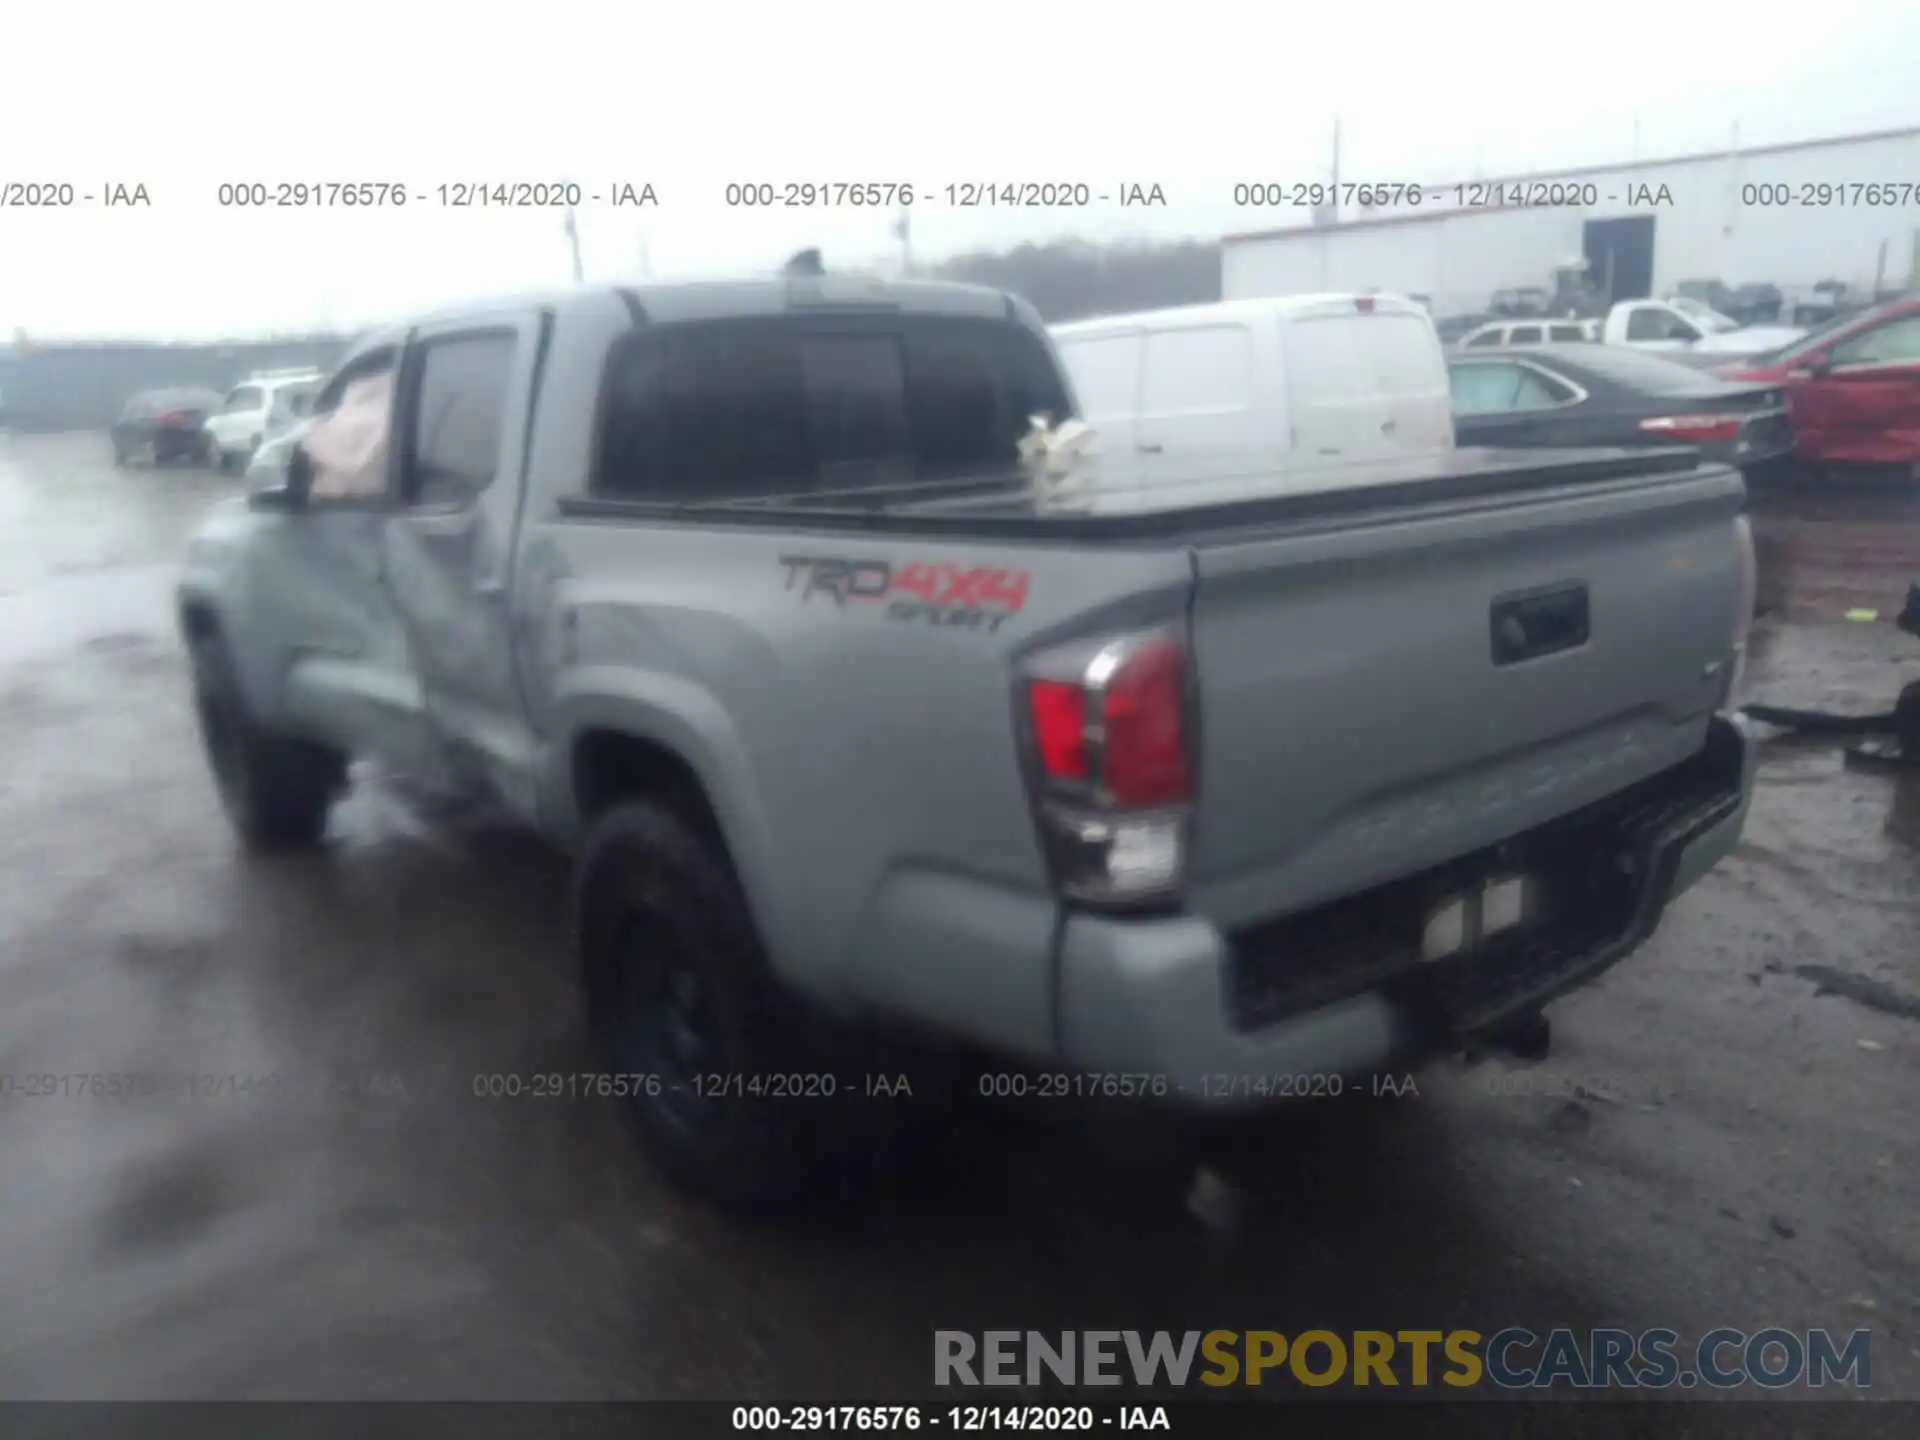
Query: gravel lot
[[1750, 1159]]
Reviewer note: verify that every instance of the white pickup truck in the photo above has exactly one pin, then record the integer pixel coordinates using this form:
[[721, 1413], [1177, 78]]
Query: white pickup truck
[[1669, 326]]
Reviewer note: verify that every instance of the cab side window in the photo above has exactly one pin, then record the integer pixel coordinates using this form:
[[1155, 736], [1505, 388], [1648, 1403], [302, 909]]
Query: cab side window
[[1651, 324], [459, 419], [1491, 388], [245, 400], [347, 442], [1484, 389]]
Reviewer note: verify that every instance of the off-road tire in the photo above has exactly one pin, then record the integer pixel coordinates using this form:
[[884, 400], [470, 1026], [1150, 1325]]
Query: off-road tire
[[276, 789], [658, 914]]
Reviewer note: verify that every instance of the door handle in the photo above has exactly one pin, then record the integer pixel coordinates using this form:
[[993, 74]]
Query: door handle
[[1526, 627], [490, 587], [1150, 449]]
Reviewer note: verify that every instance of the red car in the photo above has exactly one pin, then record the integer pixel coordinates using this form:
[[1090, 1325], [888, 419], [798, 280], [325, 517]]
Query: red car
[[1853, 387]]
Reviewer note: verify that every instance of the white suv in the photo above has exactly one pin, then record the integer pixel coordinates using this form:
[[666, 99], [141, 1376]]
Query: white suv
[[257, 409], [1543, 330]]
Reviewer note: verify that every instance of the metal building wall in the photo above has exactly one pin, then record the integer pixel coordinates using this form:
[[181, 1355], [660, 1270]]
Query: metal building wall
[[1709, 225]]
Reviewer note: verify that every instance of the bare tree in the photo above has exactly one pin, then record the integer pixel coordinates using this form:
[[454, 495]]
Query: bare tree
[[1074, 279]]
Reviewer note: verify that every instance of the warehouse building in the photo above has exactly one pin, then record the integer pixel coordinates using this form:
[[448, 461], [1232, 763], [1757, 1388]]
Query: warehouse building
[[1792, 215]]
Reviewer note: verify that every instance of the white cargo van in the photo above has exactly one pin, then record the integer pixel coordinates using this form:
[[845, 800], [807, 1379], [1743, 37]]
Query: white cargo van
[[1297, 379]]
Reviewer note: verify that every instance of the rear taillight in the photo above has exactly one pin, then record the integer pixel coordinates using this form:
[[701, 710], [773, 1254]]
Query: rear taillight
[[1694, 429], [178, 417], [1145, 754], [1107, 727], [1060, 728]]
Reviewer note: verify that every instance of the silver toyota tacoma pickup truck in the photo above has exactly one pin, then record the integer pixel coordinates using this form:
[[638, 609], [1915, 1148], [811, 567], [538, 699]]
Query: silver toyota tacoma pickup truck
[[740, 593]]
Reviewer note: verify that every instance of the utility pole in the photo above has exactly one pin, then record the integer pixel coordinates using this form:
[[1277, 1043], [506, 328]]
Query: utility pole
[[1329, 213], [1733, 179], [573, 243], [903, 231]]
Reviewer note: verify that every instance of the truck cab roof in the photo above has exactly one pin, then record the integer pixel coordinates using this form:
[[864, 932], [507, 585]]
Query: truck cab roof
[[742, 299]]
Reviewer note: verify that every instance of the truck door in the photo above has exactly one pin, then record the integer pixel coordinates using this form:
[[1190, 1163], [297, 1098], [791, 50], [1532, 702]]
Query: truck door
[[340, 659], [466, 393]]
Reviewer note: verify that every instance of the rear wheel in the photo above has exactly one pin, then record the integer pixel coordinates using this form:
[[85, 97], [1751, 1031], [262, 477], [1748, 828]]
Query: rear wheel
[[276, 789], [681, 1001]]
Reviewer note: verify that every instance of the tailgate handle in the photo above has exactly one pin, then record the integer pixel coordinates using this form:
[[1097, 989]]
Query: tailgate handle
[[1540, 622]]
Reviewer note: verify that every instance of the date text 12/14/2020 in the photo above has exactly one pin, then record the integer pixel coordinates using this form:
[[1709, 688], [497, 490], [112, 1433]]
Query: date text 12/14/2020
[[444, 195], [1477, 195], [960, 1418], [959, 195]]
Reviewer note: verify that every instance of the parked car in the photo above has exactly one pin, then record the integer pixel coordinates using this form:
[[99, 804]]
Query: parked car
[[1503, 333], [1319, 378], [1853, 387], [1569, 396], [1452, 328], [1522, 301], [739, 594], [1753, 304], [1710, 320], [1662, 326], [258, 407], [1713, 294], [1825, 301], [163, 425]]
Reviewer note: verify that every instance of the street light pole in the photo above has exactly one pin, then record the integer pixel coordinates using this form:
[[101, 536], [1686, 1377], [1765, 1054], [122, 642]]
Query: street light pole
[[573, 242]]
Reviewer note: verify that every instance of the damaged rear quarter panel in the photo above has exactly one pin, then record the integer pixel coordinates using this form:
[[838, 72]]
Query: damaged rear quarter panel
[[851, 715]]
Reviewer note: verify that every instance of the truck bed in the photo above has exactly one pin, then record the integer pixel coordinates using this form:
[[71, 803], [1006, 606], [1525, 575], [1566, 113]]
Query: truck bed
[[1356, 719]]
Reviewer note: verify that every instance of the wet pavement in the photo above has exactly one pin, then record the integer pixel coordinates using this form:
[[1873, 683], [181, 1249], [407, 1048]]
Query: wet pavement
[[336, 1213]]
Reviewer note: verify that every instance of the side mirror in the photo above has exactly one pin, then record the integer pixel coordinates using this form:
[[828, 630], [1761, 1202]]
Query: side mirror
[[1813, 367], [279, 481]]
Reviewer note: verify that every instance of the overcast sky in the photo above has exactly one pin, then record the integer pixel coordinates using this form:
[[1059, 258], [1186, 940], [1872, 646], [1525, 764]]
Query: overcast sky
[[184, 96]]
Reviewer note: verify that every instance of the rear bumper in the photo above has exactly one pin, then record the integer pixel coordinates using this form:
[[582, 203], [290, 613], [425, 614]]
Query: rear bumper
[[1153, 998]]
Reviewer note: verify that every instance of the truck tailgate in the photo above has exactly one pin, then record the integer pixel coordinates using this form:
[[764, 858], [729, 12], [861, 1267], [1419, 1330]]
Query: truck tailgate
[[1381, 694]]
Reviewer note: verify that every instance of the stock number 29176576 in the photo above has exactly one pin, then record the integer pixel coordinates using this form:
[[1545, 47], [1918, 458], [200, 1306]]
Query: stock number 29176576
[[827, 1417]]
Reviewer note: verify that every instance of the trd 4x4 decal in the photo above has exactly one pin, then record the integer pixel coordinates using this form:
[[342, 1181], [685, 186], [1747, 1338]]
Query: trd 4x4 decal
[[980, 597]]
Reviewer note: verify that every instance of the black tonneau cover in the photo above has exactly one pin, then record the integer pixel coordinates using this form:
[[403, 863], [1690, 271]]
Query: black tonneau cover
[[1007, 506]]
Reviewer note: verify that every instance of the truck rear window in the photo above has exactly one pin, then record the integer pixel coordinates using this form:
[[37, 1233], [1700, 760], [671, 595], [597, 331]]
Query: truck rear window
[[801, 406]]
